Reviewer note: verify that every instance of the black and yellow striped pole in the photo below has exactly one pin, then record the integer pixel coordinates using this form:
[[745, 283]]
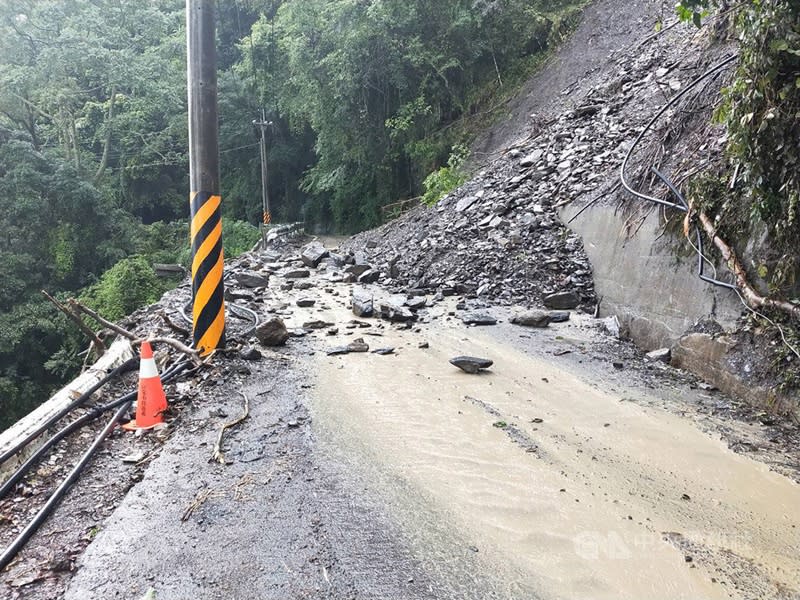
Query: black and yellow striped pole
[[208, 307]]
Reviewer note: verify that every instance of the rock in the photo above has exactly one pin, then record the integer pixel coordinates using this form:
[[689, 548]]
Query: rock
[[532, 318], [312, 254], [562, 300], [358, 345], [249, 353], [303, 285], [384, 351], [297, 274], [531, 159], [305, 302], [272, 332], [416, 302], [251, 279], [618, 365], [471, 364], [369, 276], [396, 314], [362, 303], [465, 203], [357, 270], [424, 345], [660, 355], [317, 324], [337, 350], [559, 316], [371, 244], [477, 318]]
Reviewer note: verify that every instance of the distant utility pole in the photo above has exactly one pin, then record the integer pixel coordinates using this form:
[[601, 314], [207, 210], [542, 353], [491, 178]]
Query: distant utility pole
[[266, 214], [204, 196]]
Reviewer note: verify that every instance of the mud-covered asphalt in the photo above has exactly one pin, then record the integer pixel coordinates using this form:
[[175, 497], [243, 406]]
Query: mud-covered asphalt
[[554, 475]]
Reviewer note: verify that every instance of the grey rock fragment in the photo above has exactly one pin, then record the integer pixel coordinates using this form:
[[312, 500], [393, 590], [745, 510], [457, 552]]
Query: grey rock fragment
[[562, 300], [660, 355], [272, 332], [305, 302], [249, 353], [396, 314], [312, 254], [369, 276], [477, 318], [297, 274], [471, 364], [251, 279], [532, 318], [362, 303], [384, 351], [559, 316]]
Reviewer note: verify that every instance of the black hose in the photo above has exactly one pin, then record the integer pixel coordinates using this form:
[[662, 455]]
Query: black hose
[[652, 121], [90, 416], [699, 236], [11, 551], [683, 206], [128, 365]]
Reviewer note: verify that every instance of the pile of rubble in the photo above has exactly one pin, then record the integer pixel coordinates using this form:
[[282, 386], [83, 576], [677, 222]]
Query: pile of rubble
[[500, 236]]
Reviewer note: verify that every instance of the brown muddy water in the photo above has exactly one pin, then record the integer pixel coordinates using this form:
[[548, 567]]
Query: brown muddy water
[[565, 489]]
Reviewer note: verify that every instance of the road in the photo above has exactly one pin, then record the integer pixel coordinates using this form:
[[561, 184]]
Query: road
[[551, 475]]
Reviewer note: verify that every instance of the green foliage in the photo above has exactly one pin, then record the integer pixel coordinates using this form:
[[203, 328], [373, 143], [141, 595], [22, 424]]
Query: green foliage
[[128, 285], [761, 110], [446, 179], [238, 237]]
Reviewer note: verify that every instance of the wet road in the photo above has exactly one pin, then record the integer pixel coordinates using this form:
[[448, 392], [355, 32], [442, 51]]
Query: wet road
[[398, 476]]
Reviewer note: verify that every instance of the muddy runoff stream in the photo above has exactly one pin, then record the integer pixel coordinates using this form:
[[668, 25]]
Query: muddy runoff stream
[[561, 487]]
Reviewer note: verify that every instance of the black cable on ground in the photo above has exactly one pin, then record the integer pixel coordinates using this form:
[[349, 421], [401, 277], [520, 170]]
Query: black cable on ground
[[11, 551], [80, 422], [128, 365]]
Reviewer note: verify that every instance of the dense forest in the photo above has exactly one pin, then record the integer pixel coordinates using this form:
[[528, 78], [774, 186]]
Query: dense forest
[[366, 99]]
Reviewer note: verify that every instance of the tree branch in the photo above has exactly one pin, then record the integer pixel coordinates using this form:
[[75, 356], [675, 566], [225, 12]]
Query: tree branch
[[751, 296], [99, 347]]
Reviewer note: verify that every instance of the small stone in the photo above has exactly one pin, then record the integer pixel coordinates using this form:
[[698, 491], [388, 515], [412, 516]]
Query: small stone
[[297, 274], [562, 300], [478, 319], [272, 332], [362, 303], [424, 345], [249, 353], [251, 279], [618, 365], [305, 302], [384, 351], [471, 364], [660, 355], [559, 316], [369, 276], [532, 318], [358, 345], [685, 497], [317, 324]]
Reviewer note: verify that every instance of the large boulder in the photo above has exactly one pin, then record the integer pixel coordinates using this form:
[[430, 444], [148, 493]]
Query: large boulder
[[532, 318], [562, 300], [312, 254], [362, 303]]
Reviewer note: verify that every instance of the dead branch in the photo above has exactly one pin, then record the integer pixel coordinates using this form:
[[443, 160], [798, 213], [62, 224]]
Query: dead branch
[[74, 304], [217, 455], [751, 296], [97, 343], [135, 341], [173, 325]]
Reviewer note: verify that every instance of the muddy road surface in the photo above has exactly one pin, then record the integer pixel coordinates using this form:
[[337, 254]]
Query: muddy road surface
[[569, 469]]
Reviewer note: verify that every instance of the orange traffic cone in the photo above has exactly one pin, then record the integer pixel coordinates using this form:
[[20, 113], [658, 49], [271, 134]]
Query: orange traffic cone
[[151, 401]]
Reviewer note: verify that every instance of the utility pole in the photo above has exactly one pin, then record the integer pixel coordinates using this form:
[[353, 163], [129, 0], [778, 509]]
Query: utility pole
[[266, 214], [208, 306]]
